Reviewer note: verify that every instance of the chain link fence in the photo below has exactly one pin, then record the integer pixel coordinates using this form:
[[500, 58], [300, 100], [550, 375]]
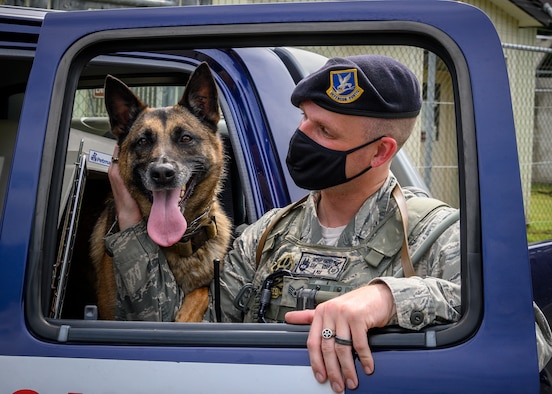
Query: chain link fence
[[530, 72]]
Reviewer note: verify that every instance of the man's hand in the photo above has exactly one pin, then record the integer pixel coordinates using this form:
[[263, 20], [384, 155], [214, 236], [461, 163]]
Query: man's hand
[[128, 212], [349, 316]]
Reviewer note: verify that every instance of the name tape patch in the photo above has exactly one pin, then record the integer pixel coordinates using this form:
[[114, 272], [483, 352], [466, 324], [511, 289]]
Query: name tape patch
[[320, 266]]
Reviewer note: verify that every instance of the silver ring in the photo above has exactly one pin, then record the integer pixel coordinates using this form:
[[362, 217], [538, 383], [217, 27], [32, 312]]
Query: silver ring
[[327, 333], [341, 341], [114, 159]]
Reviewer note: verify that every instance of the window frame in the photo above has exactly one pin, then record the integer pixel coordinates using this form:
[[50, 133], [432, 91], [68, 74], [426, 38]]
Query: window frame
[[252, 35]]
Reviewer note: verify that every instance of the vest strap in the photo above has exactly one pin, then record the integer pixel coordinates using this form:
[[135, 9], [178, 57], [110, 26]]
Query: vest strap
[[280, 215], [406, 261]]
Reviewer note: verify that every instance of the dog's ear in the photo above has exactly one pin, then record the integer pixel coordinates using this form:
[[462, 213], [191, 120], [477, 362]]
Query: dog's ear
[[122, 106], [201, 97]]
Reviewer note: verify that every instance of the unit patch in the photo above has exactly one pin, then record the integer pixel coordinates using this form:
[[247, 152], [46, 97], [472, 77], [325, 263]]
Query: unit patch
[[344, 86], [284, 263], [320, 266]]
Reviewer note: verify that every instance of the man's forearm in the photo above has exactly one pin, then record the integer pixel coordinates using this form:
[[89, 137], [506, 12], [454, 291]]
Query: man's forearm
[[146, 287]]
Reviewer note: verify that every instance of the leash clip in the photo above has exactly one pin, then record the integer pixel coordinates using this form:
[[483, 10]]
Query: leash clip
[[266, 294]]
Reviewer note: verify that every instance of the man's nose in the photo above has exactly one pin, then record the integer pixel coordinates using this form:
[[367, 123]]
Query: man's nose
[[305, 126]]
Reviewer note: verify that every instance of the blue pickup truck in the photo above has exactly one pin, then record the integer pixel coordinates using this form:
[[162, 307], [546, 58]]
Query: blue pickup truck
[[55, 149]]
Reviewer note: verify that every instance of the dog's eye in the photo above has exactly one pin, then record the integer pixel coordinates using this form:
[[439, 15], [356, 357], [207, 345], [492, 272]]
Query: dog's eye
[[142, 141], [185, 139]]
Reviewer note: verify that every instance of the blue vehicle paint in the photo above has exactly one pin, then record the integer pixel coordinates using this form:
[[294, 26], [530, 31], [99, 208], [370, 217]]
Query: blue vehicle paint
[[492, 349]]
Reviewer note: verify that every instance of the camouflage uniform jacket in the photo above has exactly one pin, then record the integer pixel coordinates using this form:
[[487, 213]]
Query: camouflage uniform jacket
[[296, 244]]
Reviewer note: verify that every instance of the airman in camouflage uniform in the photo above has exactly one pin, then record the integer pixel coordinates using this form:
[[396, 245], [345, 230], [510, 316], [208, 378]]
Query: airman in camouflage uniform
[[346, 238]]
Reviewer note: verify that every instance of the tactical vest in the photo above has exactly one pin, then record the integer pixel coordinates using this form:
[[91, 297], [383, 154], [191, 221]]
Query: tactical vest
[[289, 268]]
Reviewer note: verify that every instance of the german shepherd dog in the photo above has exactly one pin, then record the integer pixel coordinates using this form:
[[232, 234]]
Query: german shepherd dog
[[172, 162]]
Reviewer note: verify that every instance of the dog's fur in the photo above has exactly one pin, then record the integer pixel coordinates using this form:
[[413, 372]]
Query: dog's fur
[[168, 148]]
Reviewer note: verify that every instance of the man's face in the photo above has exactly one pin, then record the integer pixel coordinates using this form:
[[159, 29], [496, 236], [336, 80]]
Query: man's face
[[339, 132]]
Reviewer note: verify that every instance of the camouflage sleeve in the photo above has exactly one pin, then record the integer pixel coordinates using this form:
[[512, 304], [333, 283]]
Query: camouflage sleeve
[[238, 270], [433, 296], [146, 287], [544, 337]]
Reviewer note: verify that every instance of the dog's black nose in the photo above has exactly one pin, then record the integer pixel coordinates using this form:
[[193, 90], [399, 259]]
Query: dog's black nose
[[163, 173]]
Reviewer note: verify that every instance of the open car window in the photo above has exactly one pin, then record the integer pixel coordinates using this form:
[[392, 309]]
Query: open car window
[[256, 124]]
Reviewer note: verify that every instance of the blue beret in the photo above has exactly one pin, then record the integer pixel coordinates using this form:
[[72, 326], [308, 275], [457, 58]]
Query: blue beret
[[365, 85]]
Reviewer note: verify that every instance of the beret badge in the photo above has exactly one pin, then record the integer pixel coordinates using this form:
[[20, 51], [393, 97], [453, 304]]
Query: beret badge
[[344, 86]]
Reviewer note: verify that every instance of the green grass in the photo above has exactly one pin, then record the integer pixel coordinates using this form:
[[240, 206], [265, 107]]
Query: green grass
[[540, 217]]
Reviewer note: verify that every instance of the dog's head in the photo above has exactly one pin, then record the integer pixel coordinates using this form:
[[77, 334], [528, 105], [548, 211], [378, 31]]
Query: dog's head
[[171, 159]]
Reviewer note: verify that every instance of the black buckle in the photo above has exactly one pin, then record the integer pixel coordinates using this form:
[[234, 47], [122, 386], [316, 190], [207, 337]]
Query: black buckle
[[244, 296], [266, 294]]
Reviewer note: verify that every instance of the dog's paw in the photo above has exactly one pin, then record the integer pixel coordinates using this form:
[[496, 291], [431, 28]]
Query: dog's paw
[[194, 306]]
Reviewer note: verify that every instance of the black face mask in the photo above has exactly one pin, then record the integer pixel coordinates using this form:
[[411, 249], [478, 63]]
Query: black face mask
[[315, 167]]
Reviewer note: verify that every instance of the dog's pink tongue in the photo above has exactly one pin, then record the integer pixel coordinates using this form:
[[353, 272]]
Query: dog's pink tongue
[[166, 224]]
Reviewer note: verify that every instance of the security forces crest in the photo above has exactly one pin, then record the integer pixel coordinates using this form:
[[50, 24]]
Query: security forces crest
[[344, 86]]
